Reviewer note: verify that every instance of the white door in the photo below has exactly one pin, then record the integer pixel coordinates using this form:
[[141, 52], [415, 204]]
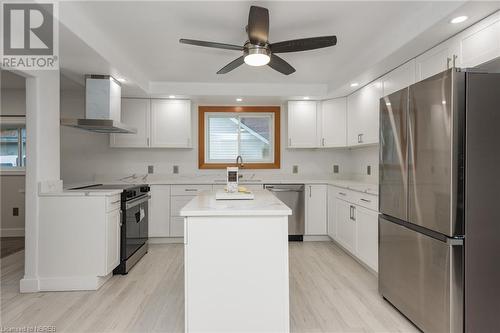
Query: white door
[[316, 209], [367, 236], [437, 59], [159, 208], [302, 124], [135, 112], [333, 122], [112, 240], [332, 222], [346, 227], [399, 78], [363, 115], [171, 123]]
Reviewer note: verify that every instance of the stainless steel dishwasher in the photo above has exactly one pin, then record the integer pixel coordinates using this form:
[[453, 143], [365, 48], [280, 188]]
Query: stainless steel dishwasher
[[292, 195]]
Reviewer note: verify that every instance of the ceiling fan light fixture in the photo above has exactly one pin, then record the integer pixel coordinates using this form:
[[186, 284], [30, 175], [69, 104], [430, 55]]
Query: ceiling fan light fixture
[[256, 55]]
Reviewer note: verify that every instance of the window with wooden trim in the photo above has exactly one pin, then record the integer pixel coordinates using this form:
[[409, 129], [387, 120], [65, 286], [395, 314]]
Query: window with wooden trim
[[226, 132]]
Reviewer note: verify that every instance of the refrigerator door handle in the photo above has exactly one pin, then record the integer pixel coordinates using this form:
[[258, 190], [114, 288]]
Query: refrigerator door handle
[[457, 241]]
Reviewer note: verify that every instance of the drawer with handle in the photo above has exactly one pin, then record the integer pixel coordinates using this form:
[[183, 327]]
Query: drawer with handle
[[189, 189], [366, 200], [113, 203], [343, 194]]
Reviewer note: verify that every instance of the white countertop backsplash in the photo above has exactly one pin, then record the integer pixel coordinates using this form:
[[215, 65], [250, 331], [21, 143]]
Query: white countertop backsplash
[[359, 183]]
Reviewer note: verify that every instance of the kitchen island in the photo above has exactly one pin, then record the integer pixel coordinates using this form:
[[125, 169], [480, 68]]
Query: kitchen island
[[236, 264]]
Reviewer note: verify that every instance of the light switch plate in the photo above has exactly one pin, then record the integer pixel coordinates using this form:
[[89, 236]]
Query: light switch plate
[[151, 168], [15, 211], [176, 169], [335, 168], [295, 169]]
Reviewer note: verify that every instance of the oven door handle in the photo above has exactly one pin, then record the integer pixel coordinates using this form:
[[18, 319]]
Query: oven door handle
[[137, 201]]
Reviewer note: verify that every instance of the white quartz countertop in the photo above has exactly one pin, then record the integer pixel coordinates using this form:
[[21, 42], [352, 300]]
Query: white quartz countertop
[[264, 204], [248, 179], [83, 193]]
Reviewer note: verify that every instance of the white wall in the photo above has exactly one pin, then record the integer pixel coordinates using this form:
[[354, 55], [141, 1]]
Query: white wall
[[359, 159], [13, 103], [85, 154]]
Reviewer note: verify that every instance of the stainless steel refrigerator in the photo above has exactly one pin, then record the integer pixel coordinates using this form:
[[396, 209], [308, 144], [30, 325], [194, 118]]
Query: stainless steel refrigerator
[[439, 223]]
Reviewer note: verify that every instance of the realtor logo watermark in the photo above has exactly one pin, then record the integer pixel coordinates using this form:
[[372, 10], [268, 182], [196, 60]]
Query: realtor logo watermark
[[29, 36]]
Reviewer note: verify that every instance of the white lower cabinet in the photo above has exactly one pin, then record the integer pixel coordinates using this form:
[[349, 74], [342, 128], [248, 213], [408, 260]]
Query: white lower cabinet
[[316, 210], [367, 236], [356, 224], [346, 227], [332, 221], [113, 229], [159, 211]]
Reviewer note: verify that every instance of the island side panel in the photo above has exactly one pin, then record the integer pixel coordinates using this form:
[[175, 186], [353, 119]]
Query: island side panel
[[236, 274]]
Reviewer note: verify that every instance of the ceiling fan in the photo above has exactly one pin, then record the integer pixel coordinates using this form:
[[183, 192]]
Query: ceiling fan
[[257, 51]]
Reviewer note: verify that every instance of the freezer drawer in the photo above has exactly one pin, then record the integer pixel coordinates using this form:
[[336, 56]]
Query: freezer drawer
[[422, 277]]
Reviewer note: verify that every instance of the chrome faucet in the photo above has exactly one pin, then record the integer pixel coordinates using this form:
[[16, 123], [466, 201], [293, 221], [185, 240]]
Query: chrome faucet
[[239, 161]]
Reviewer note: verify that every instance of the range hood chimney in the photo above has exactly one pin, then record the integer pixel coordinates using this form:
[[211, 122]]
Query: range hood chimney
[[102, 107]]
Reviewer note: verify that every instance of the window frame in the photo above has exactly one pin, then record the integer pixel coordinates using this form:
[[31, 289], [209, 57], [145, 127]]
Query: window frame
[[20, 123], [203, 110]]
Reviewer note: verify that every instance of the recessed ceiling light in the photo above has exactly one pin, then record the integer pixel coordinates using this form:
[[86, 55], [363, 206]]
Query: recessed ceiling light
[[305, 97], [459, 19], [171, 96], [354, 84], [122, 80], [239, 99]]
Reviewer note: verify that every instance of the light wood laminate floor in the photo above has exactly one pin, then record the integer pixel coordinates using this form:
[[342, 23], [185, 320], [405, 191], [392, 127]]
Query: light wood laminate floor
[[329, 292]]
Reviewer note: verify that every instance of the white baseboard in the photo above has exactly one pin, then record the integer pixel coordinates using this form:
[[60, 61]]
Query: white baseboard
[[317, 238], [73, 283], [27, 285], [12, 232], [166, 240]]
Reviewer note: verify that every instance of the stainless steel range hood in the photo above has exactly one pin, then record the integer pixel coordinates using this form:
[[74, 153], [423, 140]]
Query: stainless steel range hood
[[102, 107]]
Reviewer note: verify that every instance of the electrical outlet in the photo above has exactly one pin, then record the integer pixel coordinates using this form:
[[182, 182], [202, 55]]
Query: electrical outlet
[[295, 169], [335, 168], [176, 169], [369, 170], [151, 168], [15, 211]]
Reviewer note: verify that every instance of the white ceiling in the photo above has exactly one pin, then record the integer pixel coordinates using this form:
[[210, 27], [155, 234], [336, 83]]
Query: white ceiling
[[138, 40]]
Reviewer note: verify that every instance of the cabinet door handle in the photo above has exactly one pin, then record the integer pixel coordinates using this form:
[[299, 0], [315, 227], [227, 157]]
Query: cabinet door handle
[[365, 200], [190, 190], [454, 60], [147, 142], [353, 213], [448, 60], [350, 212], [310, 191], [342, 193], [323, 142]]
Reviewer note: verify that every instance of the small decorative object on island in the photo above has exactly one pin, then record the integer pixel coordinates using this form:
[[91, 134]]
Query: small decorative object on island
[[232, 179]]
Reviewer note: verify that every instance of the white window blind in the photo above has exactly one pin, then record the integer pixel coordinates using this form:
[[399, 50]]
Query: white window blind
[[228, 135]]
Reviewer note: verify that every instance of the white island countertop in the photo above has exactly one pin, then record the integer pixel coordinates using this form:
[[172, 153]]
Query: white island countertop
[[264, 204]]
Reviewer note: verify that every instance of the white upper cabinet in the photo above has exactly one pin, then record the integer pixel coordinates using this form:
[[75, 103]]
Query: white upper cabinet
[[399, 78], [333, 122], [438, 59], [171, 123], [481, 42], [316, 209], [135, 113], [302, 124], [363, 115]]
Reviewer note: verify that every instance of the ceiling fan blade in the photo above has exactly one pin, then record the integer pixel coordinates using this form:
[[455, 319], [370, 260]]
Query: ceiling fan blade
[[211, 44], [258, 25], [280, 65], [232, 65], [303, 44]]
